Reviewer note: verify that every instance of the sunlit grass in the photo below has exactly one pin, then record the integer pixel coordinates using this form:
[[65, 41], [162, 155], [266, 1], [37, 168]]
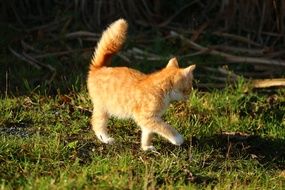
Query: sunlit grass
[[232, 140]]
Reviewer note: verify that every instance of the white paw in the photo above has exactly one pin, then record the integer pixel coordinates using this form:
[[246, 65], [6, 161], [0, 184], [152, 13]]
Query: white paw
[[148, 148], [177, 140], [105, 138], [109, 140]]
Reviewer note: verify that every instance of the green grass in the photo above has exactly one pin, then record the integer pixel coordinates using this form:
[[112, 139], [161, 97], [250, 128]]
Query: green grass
[[233, 139], [47, 143]]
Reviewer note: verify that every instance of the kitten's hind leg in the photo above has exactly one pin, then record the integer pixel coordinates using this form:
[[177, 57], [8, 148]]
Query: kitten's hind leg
[[99, 126]]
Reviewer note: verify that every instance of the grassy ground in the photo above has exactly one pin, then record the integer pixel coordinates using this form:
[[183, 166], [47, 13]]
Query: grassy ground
[[234, 140]]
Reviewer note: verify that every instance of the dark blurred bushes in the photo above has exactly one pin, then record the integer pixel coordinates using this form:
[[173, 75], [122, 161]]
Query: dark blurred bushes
[[249, 15]]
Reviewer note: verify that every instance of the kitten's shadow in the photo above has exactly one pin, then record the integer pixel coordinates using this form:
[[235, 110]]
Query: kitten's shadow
[[268, 151]]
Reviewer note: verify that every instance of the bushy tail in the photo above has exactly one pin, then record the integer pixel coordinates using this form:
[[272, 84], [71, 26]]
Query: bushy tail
[[110, 43]]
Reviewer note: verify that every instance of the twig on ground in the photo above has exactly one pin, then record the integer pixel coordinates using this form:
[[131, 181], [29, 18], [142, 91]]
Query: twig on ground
[[250, 51], [140, 54], [263, 74], [35, 63], [214, 78], [62, 53], [229, 57], [228, 73], [29, 47], [211, 85], [197, 33], [231, 75], [123, 57], [79, 34], [238, 136], [47, 66], [275, 54], [195, 54], [50, 26], [267, 83], [23, 58], [237, 38]]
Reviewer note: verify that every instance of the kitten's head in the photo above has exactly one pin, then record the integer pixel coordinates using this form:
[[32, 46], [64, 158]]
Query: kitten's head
[[182, 80]]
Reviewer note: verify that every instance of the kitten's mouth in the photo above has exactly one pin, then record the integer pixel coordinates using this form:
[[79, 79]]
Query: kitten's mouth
[[185, 98]]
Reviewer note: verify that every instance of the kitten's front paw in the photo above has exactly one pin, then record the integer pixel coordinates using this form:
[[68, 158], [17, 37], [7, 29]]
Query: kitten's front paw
[[109, 140], [177, 140], [148, 148], [105, 138]]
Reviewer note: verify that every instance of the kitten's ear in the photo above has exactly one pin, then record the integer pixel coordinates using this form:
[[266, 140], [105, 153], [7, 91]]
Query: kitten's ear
[[189, 70], [172, 63]]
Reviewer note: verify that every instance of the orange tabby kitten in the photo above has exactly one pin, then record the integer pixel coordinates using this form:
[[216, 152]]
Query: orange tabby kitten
[[127, 93]]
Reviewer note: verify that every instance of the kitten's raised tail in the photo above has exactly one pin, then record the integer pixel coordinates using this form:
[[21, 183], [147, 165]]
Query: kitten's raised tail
[[110, 43]]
